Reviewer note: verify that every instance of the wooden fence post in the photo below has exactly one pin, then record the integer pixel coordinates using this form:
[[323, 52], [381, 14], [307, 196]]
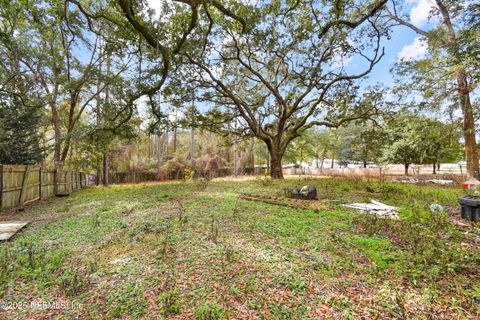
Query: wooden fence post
[[23, 192]]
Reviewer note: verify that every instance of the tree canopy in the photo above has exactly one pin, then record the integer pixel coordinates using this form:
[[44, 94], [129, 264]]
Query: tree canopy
[[86, 77]]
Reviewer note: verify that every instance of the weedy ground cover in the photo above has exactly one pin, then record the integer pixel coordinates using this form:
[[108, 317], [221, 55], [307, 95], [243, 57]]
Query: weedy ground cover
[[194, 250]]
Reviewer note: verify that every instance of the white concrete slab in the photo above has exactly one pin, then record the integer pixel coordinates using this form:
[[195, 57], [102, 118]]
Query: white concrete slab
[[9, 228]]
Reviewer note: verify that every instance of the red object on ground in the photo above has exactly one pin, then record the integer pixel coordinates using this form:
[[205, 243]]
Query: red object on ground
[[471, 183]]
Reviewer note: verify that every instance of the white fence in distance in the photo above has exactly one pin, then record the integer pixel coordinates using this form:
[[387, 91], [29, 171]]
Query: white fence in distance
[[396, 169]]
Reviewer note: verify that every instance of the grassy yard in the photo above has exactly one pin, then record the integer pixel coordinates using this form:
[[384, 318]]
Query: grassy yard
[[193, 250]]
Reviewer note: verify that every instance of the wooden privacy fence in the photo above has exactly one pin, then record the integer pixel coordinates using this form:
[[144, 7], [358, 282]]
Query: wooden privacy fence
[[20, 184]]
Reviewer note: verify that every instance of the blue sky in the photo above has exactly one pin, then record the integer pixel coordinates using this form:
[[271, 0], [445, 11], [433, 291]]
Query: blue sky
[[401, 38], [404, 42]]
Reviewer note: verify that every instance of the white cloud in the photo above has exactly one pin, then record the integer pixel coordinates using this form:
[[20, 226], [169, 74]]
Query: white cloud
[[416, 50], [420, 12]]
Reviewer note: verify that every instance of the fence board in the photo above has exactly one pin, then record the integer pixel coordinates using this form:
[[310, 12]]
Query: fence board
[[20, 184], [12, 184], [47, 184]]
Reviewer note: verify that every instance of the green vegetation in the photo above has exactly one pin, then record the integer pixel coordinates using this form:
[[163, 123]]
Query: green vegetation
[[195, 250], [136, 89], [19, 138]]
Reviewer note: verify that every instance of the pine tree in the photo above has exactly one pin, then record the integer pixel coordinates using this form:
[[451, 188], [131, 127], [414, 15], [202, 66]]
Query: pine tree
[[19, 134]]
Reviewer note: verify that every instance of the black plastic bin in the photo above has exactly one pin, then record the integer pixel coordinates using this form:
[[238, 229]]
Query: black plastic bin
[[470, 207]]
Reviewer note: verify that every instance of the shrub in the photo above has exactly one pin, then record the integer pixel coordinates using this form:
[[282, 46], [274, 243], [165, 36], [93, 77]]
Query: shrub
[[173, 169], [201, 165], [215, 163]]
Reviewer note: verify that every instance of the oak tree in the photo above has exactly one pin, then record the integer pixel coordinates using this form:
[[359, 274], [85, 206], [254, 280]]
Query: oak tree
[[287, 72]]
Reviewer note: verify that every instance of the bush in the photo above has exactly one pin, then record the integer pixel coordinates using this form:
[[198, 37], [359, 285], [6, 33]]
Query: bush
[[215, 163], [201, 165], [172, 170]]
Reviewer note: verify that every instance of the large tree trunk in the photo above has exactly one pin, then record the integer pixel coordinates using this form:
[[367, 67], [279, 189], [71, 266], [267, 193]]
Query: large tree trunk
[[276, 166], [464, 94], [434, 168], [471, 155], [406, 165], [275, 155]]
